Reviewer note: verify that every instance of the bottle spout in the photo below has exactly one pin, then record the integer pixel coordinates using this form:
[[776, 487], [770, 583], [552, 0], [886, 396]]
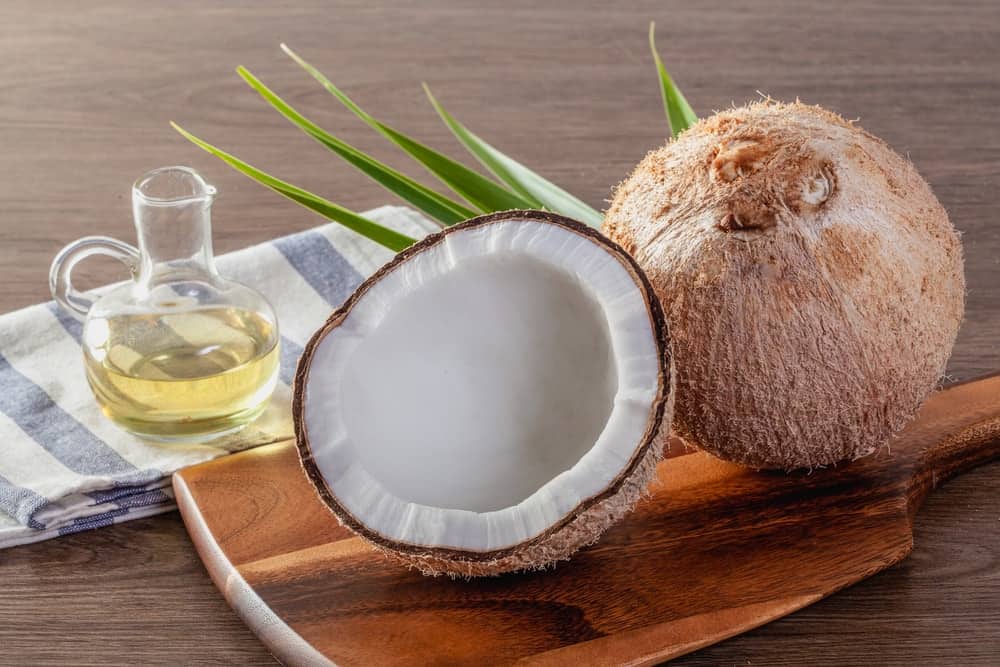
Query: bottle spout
[[171, 186], [172, 210]]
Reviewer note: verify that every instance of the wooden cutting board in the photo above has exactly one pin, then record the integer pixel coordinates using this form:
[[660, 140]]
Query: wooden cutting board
[[715, 551]]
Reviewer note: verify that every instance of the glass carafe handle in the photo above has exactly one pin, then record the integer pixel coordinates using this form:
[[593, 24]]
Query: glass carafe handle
[[77, 303]]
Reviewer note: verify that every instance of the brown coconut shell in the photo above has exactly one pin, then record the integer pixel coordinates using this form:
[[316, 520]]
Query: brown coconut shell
[[812, 281], [590, 518]]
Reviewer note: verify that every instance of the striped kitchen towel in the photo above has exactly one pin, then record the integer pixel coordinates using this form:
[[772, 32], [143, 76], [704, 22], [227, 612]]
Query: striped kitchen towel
[[65, 468]]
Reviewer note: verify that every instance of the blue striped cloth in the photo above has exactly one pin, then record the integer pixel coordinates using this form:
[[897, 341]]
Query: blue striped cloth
[[65, 468]]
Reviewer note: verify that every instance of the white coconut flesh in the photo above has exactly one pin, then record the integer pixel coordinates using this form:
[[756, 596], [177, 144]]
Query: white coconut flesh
[[485, 389]]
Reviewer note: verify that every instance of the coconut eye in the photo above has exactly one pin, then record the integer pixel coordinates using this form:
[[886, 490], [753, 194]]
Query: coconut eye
[[818, 187], [737, 158]]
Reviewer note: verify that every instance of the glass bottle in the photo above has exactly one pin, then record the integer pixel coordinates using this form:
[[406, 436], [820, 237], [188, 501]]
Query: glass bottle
[[179, 353]]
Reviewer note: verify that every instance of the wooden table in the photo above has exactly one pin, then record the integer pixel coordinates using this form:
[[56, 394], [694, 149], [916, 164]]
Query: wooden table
[[87, 90]]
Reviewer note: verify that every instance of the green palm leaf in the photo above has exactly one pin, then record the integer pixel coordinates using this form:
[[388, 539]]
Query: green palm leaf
[[540, 191], [430, 202], [478, 190], [368, 228], [680, 115]]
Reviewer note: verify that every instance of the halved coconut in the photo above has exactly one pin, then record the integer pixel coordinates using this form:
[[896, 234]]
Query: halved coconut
[[492, 399]]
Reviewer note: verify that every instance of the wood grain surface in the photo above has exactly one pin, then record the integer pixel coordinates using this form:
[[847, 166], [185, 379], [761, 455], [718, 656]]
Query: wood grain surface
[[566, 87], [715, 550]]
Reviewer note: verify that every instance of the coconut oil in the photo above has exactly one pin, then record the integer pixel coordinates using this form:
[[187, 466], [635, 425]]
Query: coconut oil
[[180, 352], [178, 376]]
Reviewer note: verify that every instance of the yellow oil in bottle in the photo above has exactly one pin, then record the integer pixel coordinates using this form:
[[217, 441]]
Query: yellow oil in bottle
[[185, 375]]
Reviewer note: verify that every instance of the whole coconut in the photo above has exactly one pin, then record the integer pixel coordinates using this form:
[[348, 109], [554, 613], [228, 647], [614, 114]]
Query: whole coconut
[[812, 282]]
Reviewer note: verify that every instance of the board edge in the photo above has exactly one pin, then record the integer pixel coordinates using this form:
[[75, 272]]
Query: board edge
[[286, 645]]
